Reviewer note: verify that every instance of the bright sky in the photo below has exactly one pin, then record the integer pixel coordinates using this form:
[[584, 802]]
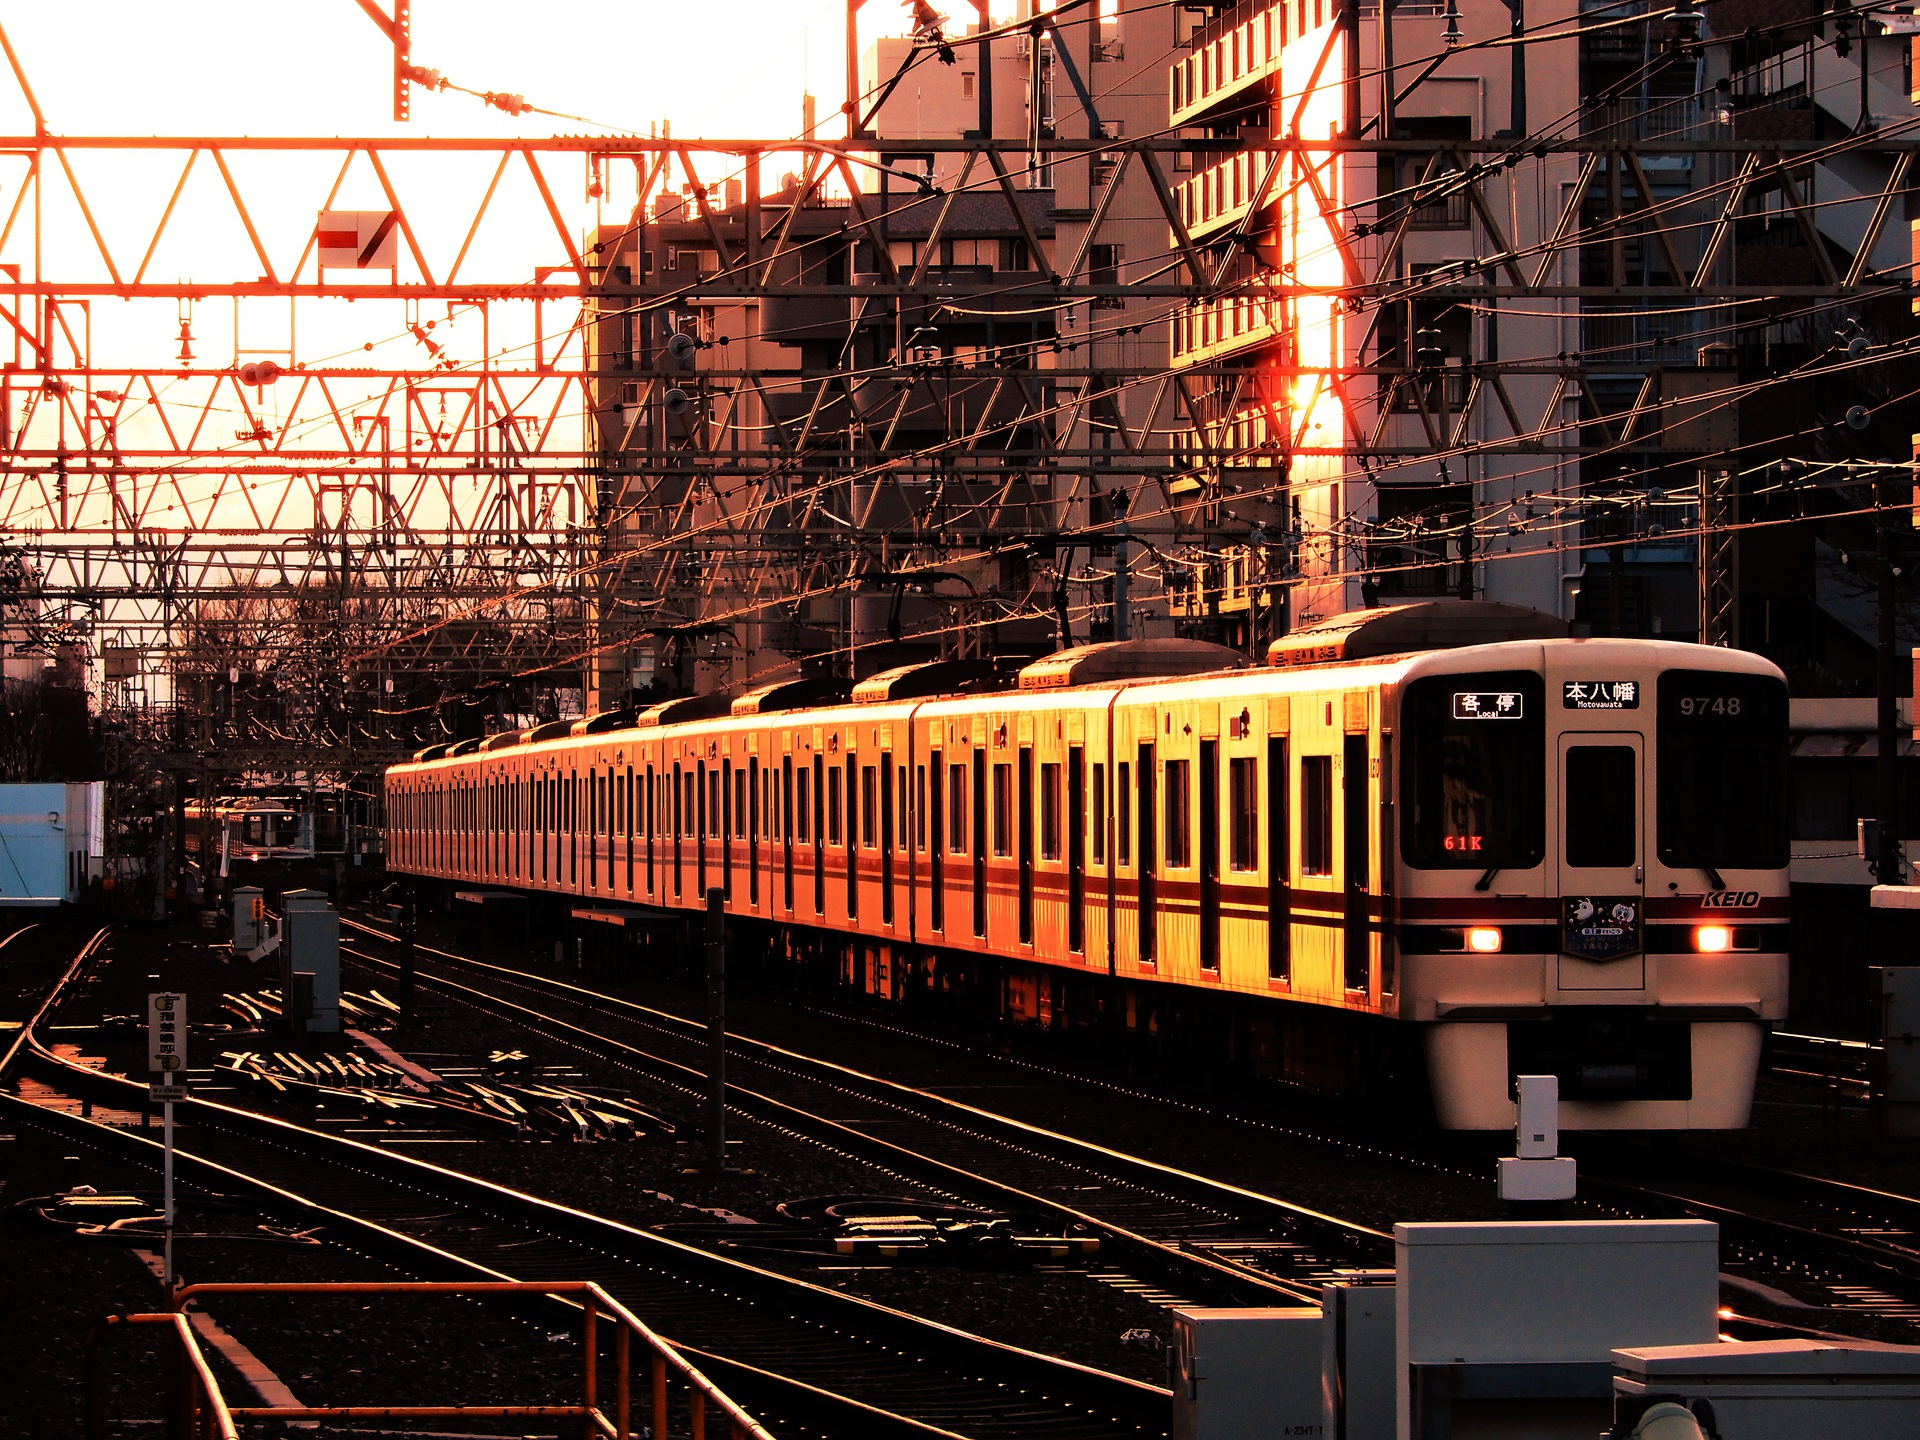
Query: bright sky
[[721, 68], [320, 67]]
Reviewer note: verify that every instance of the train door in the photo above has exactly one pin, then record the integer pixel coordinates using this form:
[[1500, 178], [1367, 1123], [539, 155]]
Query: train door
[[1210, 856], [1602, 861], [756, 821], [1024, 843], [818, 832], [1148, 919], [936, 837], [1076, 849], [887, 821], [785, 802], [979, 836], [1356, 846]]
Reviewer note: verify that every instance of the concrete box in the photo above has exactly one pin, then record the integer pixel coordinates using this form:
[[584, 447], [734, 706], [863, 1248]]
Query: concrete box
[[1779, 1389], [1240, 1374], [249, 918], [1356, 1357], [312, 945], [1899, 1078], [1511, 1322]]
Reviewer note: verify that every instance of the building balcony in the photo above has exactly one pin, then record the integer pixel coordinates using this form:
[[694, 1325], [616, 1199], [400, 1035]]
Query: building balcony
[[1230, 62], [1230, 325], [1219, 197]]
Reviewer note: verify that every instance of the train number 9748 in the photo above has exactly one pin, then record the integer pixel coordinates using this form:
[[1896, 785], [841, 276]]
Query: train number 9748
[[1709, 704]]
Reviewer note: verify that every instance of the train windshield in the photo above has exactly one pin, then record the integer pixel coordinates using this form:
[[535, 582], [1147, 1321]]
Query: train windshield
[[1722, 770], [1473, 780]]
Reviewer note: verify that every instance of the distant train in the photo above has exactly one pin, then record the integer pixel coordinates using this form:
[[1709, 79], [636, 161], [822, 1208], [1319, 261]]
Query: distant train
[[1443, 821], [251, 839]]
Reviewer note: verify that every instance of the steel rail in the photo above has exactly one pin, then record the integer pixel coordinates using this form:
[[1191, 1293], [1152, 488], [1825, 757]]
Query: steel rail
[[1796, 1234], [1001, 1389], [23, 1037], [1221, 1279], [1134, 1168]]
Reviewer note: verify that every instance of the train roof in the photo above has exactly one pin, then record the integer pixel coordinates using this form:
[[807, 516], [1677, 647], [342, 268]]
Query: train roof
[[1393, 640], [1406, 629]]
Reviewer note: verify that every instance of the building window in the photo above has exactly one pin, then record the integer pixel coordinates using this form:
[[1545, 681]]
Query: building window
[[966, 85], [1316, 814], [1243, 844]]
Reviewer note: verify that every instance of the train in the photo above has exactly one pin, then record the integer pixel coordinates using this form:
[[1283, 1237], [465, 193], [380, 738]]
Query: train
[[269, 839], [1445, 832]]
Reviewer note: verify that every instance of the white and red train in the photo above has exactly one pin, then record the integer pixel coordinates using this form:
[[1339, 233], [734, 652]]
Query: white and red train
[[1536, 855]]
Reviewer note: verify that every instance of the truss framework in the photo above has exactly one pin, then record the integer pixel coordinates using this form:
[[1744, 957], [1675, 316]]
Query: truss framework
[[421, 495]]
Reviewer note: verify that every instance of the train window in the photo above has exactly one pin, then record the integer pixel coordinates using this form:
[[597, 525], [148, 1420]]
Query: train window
[[1122, 814], [1179, 815], [1049, 812], [1316, 814], [957, 808], [868, 807], [1472, 782], [1600, 807], [716, 799], [1099, 814], [901, 810], [1722, 770], [742, 813], [833, 806], [1243, 799], [691, 815], [920, 810], [802, 796], [1003, 809]]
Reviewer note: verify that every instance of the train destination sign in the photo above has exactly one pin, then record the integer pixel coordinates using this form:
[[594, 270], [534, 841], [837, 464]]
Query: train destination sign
[[1600, 694], [1487, 704]]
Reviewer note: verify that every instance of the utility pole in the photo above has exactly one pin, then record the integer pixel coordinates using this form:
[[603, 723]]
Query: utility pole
[[1719, 558], [1887, 867]]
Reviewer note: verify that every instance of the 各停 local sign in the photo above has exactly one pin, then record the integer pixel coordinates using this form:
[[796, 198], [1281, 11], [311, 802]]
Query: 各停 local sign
[[167, 1033], [1487, 704]]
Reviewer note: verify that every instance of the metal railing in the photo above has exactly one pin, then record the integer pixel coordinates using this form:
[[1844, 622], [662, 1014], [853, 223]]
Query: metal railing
[[198, 1411], [195, 1408]]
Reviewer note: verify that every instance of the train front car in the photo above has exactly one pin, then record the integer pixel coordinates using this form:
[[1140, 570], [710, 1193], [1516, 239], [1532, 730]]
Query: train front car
[[1593, 877]]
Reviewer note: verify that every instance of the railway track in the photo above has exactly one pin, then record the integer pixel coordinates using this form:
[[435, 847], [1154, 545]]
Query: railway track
[[1862, 1244], [1844, 1067], [805, 1359], [1196, 1240]]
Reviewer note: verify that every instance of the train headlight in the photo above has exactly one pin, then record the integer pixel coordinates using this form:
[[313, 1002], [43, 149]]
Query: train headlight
[[1712, 939], [1483, 939]]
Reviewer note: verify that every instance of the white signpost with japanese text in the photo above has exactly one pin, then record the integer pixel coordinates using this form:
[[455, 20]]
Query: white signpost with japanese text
[[167, 1059]]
